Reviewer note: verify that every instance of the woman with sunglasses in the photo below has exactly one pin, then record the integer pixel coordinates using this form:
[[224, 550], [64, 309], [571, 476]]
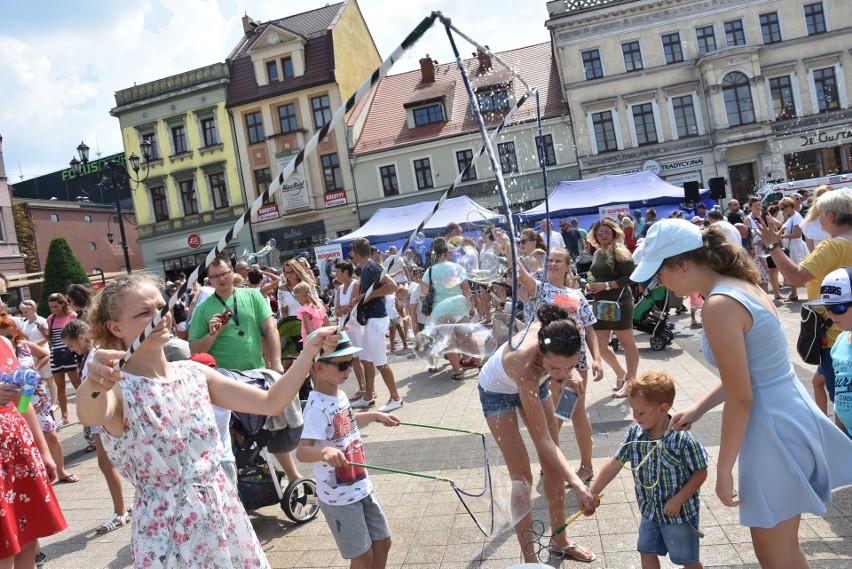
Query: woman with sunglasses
[[186, 513], [610, 272], [834, 212], [790, 456]]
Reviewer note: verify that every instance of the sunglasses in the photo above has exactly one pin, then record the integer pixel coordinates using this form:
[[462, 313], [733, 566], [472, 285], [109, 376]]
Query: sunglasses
[[5, 296], [838, 309], [341, 366]]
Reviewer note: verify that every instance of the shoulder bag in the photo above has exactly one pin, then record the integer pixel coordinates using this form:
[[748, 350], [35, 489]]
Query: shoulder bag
[[609, 310]]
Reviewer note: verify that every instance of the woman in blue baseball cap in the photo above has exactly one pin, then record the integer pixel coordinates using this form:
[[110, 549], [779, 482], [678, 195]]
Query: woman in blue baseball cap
[[790, 454]]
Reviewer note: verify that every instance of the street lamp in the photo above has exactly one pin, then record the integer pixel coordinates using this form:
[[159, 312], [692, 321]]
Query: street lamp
[[115, 175]]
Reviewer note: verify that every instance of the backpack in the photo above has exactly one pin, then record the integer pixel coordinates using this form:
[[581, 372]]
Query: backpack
[[812, 328]]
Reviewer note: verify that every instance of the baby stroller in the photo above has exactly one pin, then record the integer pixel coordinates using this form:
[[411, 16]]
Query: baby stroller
[[651, 317], [253, 438], [290, 331]]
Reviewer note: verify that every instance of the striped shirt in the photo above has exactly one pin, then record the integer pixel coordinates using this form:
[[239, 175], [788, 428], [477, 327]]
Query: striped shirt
[[668, 467]]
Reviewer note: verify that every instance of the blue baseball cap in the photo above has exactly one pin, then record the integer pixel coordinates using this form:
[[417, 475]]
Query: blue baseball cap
[[344, 346]]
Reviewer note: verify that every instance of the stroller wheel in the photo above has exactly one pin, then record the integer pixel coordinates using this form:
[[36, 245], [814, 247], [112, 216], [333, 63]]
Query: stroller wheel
[[300, 500], [668, 335], [658, 343]]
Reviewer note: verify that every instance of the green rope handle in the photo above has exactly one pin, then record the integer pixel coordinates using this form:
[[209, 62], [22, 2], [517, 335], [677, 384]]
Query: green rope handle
[[407, 472]]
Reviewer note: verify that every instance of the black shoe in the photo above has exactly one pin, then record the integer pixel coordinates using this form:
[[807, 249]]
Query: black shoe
[[39, 559]]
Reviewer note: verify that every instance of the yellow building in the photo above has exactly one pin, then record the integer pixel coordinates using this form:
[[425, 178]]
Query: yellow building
[[288, 77], [192, 194]]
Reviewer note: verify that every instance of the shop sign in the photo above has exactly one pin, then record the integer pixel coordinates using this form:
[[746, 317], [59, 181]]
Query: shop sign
[[335, 198], [612, 211], [294, 190], [661, 168], [680, 179], [193, 241], [651, 166], [825, 137], [267, 212]]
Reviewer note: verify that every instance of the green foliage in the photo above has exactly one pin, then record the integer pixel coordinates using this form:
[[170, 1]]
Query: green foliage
[[61, 269], [25, 229]]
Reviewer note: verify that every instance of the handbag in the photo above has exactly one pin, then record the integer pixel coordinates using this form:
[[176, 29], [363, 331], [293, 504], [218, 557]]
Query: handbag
[[428, 299], [609, 310], [812, 329]]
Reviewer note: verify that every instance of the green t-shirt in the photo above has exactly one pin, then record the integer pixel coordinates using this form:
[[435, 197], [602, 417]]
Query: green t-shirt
[[231, 350]]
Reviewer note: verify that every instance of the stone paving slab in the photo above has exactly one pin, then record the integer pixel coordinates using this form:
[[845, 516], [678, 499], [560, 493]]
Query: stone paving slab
[[430, 527]]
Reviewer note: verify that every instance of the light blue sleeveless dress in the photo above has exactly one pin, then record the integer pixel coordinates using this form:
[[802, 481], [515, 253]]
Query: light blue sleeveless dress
[[792, 455]]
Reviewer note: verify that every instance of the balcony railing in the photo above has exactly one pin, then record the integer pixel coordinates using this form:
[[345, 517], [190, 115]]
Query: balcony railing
[[559, 7]]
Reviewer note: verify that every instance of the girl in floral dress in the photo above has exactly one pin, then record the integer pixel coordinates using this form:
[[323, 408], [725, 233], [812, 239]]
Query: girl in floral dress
[[28, 506], [160, 432]]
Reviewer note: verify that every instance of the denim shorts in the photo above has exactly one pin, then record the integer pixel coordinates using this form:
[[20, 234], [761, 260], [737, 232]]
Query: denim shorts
[[495, 404], [678, 541]]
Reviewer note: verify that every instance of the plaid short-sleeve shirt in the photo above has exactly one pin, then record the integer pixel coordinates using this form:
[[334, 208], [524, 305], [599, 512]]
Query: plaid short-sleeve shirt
[[672, 463]]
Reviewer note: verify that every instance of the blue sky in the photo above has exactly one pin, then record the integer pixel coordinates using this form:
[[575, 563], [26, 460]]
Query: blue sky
[[63, 61]]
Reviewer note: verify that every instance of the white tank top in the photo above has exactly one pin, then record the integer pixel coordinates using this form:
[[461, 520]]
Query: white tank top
[[494, 379], [344, 297]]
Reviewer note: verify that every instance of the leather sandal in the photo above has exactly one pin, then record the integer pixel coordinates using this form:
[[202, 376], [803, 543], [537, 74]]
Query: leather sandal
[[574, 551], [588, 470]]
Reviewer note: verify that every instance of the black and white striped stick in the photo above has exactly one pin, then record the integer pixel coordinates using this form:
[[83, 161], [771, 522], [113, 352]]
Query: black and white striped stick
[[311, 145]]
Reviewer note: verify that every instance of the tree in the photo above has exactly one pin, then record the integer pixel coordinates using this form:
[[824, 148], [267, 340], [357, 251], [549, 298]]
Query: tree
[[61, 269], [25, 229]]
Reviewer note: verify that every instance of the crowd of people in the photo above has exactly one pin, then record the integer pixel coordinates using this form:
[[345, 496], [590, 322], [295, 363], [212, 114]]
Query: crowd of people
[[161, 422]]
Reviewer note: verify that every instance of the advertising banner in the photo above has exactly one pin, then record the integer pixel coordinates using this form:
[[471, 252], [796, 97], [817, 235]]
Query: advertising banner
[[612, 211], [327, 256]]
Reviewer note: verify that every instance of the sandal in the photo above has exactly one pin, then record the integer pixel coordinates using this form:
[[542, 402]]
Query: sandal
[[357, 395], [458, 376], [620, 394], [587, 469], [91, 448], [112, 524], [619, 385], [574, 551]]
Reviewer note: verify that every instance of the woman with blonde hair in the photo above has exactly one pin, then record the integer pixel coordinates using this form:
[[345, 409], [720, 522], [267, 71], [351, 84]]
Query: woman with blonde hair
[[629, 233], [791, 233], [292, 273], [611, 269], [811, 229], [62, 360]]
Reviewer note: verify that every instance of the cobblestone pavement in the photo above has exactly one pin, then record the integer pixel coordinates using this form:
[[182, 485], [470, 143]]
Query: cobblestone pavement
[[429, 524]]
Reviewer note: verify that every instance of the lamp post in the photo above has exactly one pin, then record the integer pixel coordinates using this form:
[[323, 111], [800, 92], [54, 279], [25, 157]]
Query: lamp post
[[114, 174]]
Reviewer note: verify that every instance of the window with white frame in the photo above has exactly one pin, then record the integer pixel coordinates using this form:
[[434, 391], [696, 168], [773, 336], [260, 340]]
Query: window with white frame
[[825, 84], [423, 174], [686, 121]]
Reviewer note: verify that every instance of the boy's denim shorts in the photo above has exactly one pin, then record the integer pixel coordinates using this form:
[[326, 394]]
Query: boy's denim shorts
[[678, 541], [495, 404]]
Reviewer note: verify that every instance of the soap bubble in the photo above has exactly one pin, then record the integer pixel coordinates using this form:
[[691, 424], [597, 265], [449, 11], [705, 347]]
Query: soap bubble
[[490, 268], [452, 275], [469, 259], [420, 238], [466, 338]]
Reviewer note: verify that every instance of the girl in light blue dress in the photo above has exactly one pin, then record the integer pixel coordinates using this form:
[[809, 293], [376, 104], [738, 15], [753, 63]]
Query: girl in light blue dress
[[790, 454]]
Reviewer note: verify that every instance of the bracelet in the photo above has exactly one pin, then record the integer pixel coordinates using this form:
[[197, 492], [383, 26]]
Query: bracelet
[[774, 246]]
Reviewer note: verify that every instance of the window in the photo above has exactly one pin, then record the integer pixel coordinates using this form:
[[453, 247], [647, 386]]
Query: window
[[322, 110], [179, 139], [463, 158], [254, 122], [770, 28], [54, 217], [287, 67], [390, 185], [272, 71], [287, 118], [672, 48], [706, 38], [160, 204], [781, 90], [734, 33], [208, 130], [643, 121], [155, 146], [604, 131], [632, 56], [332, 172], [218, 189], [815, 18], [428, 115], [87, 219], [423, 173], [737, 95], [684, 113], [508, 158], [92, 245], [262, 178], [825, 84], [549, 152], [493, 100], [592, 64], [187, 197]]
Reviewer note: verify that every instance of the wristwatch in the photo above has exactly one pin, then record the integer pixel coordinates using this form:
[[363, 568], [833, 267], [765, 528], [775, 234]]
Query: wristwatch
[[774, 246], [607, 285]]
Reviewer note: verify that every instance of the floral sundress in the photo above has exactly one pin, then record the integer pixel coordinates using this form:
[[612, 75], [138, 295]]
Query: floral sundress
[[185, 512]]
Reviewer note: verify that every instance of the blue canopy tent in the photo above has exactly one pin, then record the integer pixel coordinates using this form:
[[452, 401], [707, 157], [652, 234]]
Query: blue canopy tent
[[393, 225], [640, 190]]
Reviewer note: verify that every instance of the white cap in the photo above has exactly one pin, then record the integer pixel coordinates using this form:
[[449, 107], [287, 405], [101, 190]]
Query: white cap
[[665, 239], [836, 288]]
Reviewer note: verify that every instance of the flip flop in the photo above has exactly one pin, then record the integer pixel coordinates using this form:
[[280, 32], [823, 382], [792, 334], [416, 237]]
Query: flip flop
[[70, 479], [91, 448], [458, 377], [574, 551]]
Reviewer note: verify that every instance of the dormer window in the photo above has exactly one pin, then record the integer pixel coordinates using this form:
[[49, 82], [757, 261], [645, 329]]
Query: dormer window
[[493, 100], [429, 114], [272, 71], [287, 67]]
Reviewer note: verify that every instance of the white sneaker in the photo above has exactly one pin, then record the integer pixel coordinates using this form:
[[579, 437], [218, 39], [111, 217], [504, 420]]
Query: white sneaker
[[363, 403], [391, 405]]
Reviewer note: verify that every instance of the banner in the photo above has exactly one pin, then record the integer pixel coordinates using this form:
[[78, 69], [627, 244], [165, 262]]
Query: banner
[[612, 211], [327, 256]]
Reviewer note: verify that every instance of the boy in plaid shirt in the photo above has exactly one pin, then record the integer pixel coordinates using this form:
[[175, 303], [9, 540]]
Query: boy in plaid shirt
[[668, 469]]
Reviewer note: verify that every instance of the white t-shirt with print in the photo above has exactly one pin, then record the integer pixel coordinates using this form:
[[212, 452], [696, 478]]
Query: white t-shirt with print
[[331, 422]]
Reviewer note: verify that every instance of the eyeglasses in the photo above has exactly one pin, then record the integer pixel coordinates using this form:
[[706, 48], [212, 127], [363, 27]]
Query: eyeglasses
[[342, 366], [220, 275], [838, 309], [6, 296]]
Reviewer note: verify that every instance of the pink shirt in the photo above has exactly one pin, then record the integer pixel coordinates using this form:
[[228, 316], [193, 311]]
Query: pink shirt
[[317, 316]]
